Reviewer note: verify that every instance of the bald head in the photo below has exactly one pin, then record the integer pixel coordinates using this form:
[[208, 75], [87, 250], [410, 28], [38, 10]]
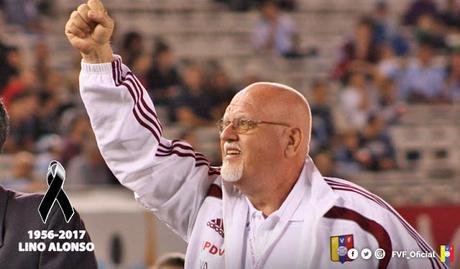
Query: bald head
[[266, 160], [279, 103]]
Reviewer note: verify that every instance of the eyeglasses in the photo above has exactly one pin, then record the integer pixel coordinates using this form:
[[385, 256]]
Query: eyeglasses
[[241, 125]]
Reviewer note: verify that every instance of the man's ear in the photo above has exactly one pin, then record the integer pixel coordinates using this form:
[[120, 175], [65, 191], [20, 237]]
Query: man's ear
[[294, 139]]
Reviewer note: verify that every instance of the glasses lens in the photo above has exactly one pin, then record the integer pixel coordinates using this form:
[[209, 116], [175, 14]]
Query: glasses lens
[[243, 125], [221, 124]]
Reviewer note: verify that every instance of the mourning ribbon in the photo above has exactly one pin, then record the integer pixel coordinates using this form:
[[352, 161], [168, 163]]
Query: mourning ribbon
[[55, 179]]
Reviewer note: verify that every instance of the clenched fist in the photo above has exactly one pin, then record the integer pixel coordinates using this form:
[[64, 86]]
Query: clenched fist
[[89, 29]]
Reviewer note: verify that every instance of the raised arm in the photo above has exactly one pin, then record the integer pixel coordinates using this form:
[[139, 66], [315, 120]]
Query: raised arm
[[168, 177]]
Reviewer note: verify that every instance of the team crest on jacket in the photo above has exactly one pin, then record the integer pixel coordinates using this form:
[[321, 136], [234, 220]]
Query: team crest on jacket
[[340, 244], [217, 225]]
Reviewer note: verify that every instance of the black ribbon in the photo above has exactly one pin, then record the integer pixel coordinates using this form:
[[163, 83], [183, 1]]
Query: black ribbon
[[55, 179]]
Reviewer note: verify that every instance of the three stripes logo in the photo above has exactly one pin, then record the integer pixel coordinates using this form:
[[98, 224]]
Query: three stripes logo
[[217, 225]]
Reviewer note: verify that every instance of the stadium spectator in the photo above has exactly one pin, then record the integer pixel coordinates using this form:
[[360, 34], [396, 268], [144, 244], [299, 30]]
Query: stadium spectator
[[452, 82], [324, 161], [88, 167], [219, 88], [385, 29], [76, 135], [451, 15], [9, 65], [22, 13], [347, 155], [274, 32], [376, 145], [389, 106], [423, 80], [22, 176], [245, 5], [42, 66], [358, 100], [48, 148], [358, 51], [323, 130], [418, 8], [24, 125], [388, 64], [163, 78], [132, 45], [429, 30], [192, 105]]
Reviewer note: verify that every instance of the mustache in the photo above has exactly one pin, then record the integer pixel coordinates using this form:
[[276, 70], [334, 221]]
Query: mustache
[[232, 145]]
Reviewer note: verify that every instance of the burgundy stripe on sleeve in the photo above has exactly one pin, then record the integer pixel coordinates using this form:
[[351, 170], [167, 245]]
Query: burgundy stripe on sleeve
[[368, 225], [181, 149], [118, 82], [141, 102]]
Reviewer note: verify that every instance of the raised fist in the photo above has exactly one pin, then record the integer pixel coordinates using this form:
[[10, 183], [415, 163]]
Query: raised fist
[[89, 29]]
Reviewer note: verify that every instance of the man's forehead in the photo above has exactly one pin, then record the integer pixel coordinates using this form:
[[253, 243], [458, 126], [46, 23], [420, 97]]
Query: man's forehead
[[240, 106]]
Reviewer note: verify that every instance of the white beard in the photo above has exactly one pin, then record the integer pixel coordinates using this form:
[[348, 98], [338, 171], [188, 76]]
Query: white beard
[[231, 172]]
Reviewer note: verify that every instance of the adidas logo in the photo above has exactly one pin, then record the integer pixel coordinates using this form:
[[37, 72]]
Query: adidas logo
[[217, 225]]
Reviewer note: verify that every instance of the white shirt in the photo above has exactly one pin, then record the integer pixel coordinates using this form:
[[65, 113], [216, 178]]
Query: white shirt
[[261, 232]]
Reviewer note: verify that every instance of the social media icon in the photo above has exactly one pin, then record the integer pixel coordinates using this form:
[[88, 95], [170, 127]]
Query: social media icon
[[352, 253], [366, 253], [379, 253]]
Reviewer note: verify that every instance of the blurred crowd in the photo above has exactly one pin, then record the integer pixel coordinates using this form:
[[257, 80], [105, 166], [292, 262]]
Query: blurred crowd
[[384, 65]]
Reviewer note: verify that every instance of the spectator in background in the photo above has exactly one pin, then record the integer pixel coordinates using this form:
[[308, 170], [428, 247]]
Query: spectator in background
[[88, 167], [48, 148], [22, 177], [359, 51], [219, 88], [274, 32], [76, 136], [376, 145], [42, 66], [452, 82], [325, 163], [385, 29], [388, 66], [132, 46], [8, 65], [423, 80], [430, 31], [347, 155], [244, 5], [192, 105], [419, 8], [23, 122], [171, 261], [358, 100], [451, 15], [323, 129], [22, 13], [163, 77], [390, 107]]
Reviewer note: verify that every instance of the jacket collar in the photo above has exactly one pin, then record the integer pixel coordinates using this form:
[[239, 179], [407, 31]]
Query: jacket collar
[[318, 199]]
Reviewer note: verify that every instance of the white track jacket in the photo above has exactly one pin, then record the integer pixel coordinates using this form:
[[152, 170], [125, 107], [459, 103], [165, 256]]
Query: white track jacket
[[321, 220]]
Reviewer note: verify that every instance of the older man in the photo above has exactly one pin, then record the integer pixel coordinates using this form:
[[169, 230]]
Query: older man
[[268, 206]]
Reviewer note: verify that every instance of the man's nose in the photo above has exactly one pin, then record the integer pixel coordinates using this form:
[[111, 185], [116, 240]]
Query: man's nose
[[229, 133]]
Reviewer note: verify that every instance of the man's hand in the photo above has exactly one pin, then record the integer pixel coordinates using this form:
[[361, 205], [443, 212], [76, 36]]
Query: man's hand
[[89, 29]]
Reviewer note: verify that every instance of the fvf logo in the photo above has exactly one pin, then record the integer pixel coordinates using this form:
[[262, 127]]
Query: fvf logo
[[213, 249]]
